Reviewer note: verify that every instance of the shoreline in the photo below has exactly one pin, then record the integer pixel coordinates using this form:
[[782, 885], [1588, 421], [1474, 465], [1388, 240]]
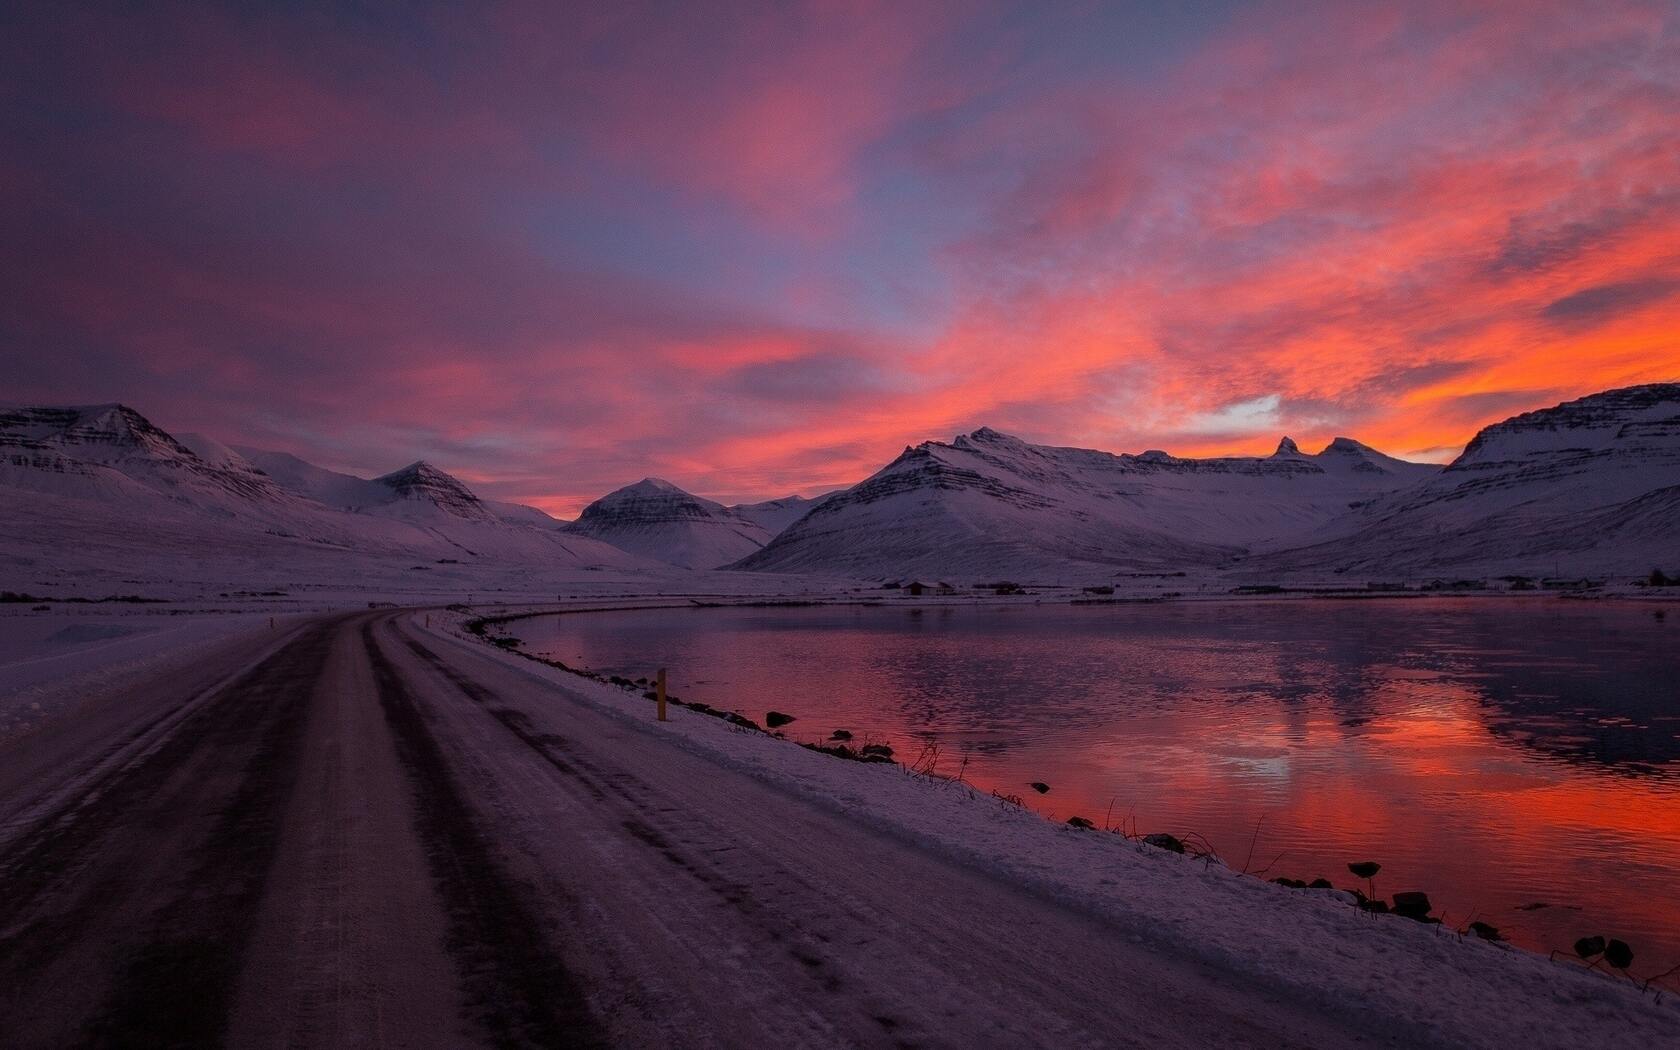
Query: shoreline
[[1175, 902]]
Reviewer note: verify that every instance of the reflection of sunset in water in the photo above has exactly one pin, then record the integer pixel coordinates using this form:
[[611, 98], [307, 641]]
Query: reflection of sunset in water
[[1497, 754]]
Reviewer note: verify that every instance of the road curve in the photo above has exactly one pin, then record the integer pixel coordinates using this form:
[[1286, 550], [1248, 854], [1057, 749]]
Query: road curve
[[355, 833]]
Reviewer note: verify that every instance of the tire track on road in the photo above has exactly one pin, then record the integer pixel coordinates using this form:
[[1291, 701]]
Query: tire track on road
[[775, 927], [516, 982], [213, 793]]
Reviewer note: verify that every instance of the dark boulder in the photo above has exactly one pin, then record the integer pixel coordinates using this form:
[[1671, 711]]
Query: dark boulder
[[1413, 905], [1080, 822], [1161, 840], [1485, 932], [840, 734], [1040, 787], [776, 719], [1618, 954], [1320, 884]]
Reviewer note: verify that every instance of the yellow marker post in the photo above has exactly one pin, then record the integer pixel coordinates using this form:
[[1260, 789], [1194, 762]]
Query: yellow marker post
[[660, 690]]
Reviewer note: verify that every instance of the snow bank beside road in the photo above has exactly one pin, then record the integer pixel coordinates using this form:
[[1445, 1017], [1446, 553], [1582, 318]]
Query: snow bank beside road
[[50, 659], [1434, 985]]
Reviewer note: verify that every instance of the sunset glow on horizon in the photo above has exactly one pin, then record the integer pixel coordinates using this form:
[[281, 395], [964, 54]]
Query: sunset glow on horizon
[[757, 249]]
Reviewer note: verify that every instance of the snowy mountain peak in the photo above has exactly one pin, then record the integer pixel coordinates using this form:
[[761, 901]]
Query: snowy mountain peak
[[1592, 483], [113, 447], [989, 503], [987, 436], [114, 426], [659, 520], [651, 494], [1346, 446], [1287, 447], [419, 469], [775, 515], [652, 485], [425, 483], [1347, 454], [1622, 419]]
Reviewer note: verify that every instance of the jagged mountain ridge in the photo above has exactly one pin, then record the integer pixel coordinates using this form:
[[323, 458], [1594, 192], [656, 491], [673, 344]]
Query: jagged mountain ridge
[[107, 470], [1583, 486], [989, 505], [1587, 486], [114, 451], [416, 491], [656, 519]]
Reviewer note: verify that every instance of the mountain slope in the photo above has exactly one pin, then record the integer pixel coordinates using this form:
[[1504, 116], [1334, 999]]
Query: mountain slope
[[1587, 486], [424, 489], [393, 495], [775, 515], [988, 505], [656, 519], [143, 505], [113, 452]]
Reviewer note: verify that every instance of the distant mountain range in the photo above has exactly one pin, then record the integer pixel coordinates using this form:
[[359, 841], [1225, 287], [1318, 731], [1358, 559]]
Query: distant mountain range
[[989, 506], [416, 491], [100, 490], [1589, 486]]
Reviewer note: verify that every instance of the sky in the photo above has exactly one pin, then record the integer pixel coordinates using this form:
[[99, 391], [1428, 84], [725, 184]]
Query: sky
[[757, 249]]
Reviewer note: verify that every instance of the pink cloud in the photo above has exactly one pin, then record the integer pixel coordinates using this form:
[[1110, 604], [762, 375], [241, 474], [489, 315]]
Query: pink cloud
[[1310, 207], [1398, 224]]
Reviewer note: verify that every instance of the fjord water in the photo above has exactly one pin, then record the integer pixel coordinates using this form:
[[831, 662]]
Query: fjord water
[[1518, 760]]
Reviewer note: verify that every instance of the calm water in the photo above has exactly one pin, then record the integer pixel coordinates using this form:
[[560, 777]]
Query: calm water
[[1495, 754]]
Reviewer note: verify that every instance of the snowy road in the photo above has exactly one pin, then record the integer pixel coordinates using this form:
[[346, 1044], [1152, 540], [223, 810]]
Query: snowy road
[[358, 833]]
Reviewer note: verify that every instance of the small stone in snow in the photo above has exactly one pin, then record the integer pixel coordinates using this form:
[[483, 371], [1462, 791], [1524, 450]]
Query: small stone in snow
[[1080, 822], [776, 719], [1161, 840], [1413, 905], [1040, 787]]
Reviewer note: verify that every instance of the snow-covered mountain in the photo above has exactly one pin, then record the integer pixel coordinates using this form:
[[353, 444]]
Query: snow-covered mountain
[[658, 520], [1588, 486], [423, 487], [990, 506], [417, 491], [775, 515], [141, 503], [111, 452]]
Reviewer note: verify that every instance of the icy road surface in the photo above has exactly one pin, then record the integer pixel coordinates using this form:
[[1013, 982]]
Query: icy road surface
[[352, 832]]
